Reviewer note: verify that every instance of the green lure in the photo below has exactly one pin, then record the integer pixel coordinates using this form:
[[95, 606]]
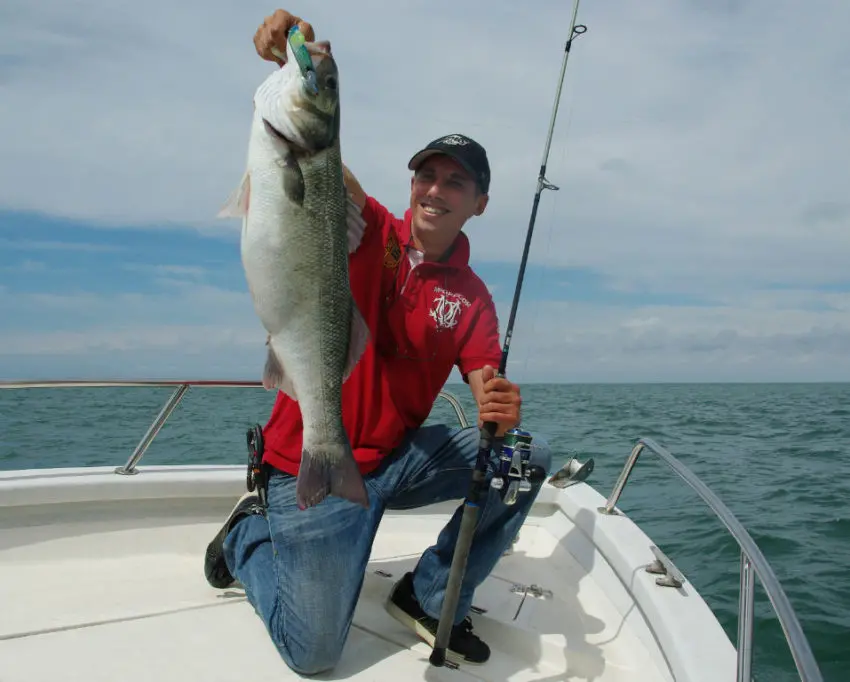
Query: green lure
[[302, 57]]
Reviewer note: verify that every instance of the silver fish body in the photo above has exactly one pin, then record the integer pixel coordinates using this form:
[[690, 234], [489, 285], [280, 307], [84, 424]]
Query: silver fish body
[[298, 229]]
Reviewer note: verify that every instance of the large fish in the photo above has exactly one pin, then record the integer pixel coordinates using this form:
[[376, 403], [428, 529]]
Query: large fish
[[298, 228]]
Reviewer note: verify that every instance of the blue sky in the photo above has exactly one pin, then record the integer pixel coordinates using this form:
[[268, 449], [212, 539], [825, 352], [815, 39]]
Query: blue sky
[[701, 232]]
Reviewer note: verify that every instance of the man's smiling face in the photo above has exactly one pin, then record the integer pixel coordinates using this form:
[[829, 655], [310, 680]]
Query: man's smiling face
[[443, 196]]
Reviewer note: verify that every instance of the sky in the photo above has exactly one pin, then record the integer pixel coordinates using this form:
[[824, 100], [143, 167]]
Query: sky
[[701, 231]]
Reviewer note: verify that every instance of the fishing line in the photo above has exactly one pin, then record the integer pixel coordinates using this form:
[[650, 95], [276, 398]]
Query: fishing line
[[532, 328]]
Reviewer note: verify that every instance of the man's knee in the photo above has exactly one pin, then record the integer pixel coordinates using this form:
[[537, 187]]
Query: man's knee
[[313, 657], [463, 443], [541, 453]]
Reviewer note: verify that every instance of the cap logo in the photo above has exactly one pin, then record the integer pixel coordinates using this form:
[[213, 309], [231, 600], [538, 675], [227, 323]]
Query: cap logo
[[454, 140]]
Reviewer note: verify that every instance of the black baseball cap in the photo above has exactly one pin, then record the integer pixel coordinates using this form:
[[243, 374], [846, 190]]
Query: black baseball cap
[[465, 150]]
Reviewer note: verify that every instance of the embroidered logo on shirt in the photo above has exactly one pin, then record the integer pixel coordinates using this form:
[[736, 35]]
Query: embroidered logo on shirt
[[447, 308], [392, 252]]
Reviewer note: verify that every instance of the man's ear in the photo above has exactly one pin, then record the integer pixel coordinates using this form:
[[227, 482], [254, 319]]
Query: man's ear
[[481, 203]]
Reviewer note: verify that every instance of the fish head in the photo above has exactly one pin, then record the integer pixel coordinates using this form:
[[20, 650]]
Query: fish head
[[319, 74], [300, 101]]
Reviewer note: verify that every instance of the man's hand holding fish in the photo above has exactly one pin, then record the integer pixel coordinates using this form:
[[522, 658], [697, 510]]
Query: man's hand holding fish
[[366, 314]]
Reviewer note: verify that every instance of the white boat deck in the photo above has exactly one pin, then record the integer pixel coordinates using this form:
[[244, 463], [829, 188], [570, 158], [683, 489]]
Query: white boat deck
[[101, 578]]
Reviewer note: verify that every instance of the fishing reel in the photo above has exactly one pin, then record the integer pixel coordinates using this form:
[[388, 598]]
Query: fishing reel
[[514, 475], [257, 474]]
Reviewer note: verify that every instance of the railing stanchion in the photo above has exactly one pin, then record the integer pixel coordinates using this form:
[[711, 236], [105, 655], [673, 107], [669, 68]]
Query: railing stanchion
[[130, 467], [746, 600]]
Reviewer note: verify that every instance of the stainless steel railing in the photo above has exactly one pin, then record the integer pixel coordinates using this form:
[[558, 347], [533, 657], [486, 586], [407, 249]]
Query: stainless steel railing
[[753, 563], [182, 385]]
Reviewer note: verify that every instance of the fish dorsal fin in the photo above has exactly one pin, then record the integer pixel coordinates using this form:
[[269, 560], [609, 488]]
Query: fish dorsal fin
[[356, 224], [236, 205], [358, 338]]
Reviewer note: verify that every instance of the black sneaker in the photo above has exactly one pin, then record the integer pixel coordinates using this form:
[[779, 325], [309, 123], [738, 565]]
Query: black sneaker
[[215, 567], [464, 646]]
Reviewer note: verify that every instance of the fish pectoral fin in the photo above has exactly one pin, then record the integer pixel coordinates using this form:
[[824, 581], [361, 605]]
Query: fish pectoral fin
[[236, 205], [358, 338], [274, 375], [293, 179], [356, 224]]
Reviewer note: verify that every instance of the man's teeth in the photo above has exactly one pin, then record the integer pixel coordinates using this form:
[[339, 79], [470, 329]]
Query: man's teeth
[[431, 210]]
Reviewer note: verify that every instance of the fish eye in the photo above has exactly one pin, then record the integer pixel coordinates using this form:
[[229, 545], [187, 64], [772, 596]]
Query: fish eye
[[330, 82]]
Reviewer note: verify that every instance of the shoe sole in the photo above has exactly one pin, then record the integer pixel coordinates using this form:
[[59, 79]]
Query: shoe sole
[[217, 539], [424, 634]]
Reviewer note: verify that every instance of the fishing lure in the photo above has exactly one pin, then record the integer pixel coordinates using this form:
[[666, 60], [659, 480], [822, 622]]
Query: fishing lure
[[302, 58]]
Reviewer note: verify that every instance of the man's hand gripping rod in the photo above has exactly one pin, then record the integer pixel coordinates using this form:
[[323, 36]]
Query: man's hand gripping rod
[[513, 472]]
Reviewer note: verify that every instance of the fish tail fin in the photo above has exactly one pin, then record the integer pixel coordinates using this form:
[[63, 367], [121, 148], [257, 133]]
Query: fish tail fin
[[329, 469]]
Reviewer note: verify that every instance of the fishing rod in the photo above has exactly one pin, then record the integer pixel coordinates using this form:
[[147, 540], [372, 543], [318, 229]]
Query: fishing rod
[[514, 464]]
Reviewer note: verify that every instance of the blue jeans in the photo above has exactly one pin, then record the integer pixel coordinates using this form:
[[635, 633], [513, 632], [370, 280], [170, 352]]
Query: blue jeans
[[303, 569]]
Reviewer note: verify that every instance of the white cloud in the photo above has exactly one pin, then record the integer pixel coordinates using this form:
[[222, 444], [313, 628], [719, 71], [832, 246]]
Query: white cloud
[[34, 245], [169, 273], [796, 335], [693, 139], [769, 337], [188, 328], [700, 149], [25, 266], [192, 339]]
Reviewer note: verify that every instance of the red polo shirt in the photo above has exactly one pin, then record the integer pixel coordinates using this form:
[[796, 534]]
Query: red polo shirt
[[423, 320]]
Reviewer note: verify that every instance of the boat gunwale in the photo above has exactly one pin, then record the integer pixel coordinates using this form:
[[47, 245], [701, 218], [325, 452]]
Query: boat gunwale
[[753, 562]]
